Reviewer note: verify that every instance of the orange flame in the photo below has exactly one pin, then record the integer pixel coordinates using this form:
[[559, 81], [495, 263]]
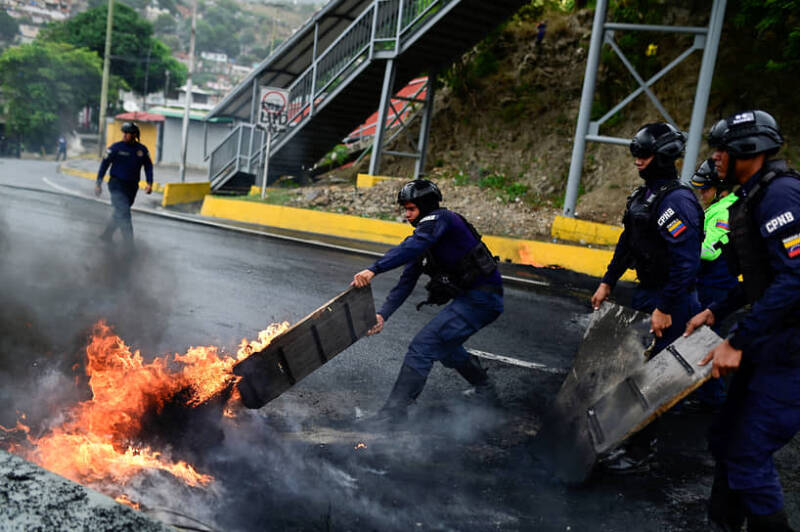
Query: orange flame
[[123, 499], [98, 441]]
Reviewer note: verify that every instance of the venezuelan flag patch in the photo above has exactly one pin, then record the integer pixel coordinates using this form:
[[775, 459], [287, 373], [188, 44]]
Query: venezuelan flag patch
[[792, 245], [723, 224], [676, 227]]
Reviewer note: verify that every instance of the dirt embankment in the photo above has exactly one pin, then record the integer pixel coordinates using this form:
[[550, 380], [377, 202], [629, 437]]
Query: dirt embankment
[[503, 128]]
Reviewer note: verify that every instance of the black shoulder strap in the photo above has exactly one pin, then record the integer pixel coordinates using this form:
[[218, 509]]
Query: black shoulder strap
[[471, 227]]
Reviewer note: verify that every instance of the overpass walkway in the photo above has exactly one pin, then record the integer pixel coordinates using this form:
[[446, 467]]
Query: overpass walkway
[[344, 63]]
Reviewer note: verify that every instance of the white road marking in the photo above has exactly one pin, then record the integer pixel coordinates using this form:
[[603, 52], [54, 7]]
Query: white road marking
[[516, 362]]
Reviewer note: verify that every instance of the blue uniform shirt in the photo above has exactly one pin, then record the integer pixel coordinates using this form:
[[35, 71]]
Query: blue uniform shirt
[[449, 239], [680, 224], [126, 162], [778, 218]]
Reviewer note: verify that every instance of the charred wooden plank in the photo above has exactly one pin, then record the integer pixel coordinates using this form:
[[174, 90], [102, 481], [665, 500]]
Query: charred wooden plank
[[615, 389], [305, 346], [613, 347], [654, 388]]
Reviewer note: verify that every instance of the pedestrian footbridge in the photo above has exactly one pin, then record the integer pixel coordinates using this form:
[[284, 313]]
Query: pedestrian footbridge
[[344, 63]]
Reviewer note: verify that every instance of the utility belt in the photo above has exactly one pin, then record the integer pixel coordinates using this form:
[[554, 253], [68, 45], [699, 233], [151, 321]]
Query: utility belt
[[446, 285], [126, 184]]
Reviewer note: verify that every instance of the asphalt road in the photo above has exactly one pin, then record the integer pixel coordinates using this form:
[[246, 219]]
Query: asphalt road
[[293, 464]]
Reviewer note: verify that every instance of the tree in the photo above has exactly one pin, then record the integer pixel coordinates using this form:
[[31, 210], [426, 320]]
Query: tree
[[774, 27], [137, 57], [8, 27], [45, 85], [165, 24]]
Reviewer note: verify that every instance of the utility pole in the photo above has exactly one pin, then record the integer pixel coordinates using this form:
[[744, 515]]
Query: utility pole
[[185, 129], [147, 76], [101, 127]]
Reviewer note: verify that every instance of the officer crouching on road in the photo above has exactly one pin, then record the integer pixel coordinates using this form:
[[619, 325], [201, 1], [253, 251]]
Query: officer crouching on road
[[126, 159], [661, 239], [762, 412], [448, 249]]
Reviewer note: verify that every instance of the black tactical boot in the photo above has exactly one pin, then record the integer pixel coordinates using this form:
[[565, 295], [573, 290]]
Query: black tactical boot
[[775, 522], [477, 376], [406, 389], [725, 508]]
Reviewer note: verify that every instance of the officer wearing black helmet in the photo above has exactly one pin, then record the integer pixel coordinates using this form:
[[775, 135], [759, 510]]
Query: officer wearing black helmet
[[762, 412], [126, 159], [661, 240], [463, 272]]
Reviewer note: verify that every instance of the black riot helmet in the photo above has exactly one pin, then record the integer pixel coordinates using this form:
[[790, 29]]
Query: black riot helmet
[[422, 193], [744, 135], [706, 176], [130, 127], [660, 139]]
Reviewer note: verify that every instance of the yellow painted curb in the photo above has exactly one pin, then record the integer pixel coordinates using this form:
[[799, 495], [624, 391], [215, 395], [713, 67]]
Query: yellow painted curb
[[580, 259], [157, 187], [583, 231], [175, 193], [367, 181], [306, 220]]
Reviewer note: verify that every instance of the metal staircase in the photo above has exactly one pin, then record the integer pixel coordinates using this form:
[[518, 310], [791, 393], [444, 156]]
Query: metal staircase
[[338, 68]]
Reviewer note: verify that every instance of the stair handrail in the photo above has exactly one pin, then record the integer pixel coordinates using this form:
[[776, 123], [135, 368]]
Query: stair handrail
[[230, 152], [382, 21]]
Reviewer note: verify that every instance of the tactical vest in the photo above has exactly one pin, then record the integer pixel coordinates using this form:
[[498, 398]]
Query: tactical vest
[[447, 283], [648, 249], [749, 254]]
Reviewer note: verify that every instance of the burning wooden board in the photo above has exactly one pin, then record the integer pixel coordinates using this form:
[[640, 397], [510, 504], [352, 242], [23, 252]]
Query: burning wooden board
[[614, 350], [305, 346]]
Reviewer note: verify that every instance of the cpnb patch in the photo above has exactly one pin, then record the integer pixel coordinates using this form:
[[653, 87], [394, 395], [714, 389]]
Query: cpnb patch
[[429, 218], [792, 245], [665, 216], [676, 227], [779, 221], [723, 224]]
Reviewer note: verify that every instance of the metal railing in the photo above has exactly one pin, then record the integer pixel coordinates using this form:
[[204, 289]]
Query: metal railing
[[373, 31], [382, 27], [235, 153]]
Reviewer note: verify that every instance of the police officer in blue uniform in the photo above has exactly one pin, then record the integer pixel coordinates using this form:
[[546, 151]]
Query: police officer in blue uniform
[[663, 230], [126, 159], [762, 412], [462, 272]]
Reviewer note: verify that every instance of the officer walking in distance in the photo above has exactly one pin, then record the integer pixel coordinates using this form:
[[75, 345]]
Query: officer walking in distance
[[762, 412], [126, 159], [663, 228], [463, 272]]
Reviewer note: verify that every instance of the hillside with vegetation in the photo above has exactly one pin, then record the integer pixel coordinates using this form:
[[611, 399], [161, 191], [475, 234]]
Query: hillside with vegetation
[[505, 115]]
